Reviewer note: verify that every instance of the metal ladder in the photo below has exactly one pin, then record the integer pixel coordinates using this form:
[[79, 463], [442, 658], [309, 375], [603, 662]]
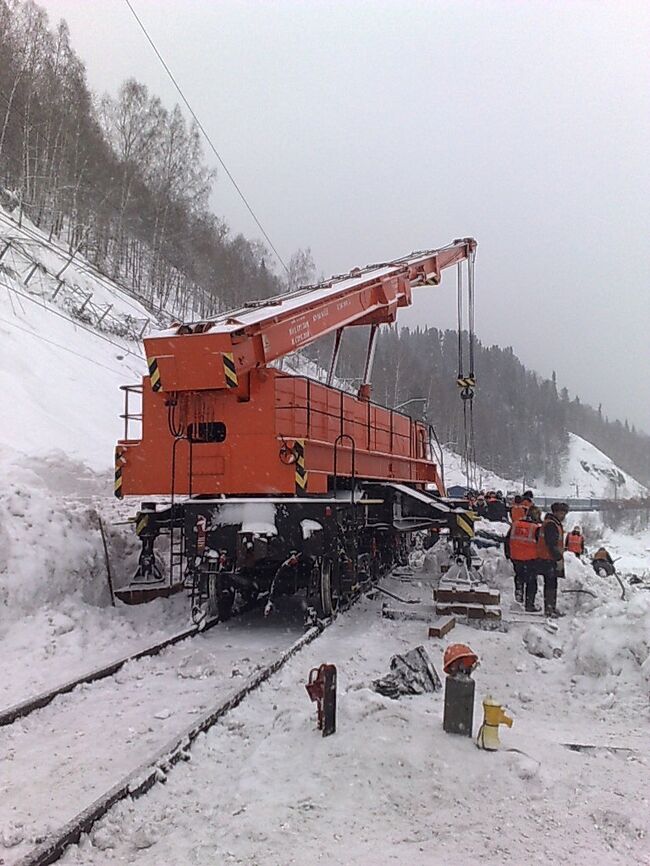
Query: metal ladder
[[177, 555]]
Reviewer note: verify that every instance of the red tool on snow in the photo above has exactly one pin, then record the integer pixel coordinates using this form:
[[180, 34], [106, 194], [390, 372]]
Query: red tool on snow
[[321, 688]]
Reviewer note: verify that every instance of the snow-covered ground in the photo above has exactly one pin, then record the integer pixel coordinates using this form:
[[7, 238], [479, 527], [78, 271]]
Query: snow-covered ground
[[390, 786]]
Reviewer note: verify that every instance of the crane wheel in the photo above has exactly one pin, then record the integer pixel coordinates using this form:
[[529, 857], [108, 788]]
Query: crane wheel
[[327, 590], [220, 600]]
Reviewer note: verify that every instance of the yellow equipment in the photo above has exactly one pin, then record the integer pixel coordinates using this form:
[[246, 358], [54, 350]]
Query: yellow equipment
[[493, 716]]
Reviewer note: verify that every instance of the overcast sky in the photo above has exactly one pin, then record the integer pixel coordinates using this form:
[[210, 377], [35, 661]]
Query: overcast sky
[[368, 129]]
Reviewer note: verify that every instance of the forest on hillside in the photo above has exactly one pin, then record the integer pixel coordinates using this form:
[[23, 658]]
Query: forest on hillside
[[521, 420], [120, 178]]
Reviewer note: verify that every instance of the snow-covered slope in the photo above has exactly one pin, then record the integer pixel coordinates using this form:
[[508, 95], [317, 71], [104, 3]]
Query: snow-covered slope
[[62, 364], [588, 473]]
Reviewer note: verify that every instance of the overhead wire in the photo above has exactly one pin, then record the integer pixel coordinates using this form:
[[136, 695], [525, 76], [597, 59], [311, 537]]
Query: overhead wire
[[206, 136], [74, 322], [59, 346]]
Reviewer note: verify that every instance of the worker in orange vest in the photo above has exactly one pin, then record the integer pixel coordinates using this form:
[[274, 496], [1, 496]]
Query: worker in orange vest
[[575, 541], [521, 544], [518, 509], [550, 551], [527, 499]]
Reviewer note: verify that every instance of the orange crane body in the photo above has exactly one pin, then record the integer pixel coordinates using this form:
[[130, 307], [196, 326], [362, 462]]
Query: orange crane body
[[218, 420]]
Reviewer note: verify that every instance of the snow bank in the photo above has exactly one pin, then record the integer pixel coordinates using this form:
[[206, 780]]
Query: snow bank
[[612, 643], [50, 547]]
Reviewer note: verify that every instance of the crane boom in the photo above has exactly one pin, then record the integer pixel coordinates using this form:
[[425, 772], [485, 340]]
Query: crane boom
[[216, 354]]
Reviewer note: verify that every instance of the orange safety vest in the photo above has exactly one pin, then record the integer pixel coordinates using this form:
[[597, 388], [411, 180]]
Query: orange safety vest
[[523, 540], [518, 512], [575, 543], [542, 550]]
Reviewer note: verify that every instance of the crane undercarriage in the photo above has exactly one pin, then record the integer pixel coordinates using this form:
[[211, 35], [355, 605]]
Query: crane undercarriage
[[323, 547]]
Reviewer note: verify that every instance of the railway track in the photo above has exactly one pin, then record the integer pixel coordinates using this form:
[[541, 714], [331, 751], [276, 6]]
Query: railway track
[[155, 768], [52, 729], [60, 754], [24, 708], [36, 702]]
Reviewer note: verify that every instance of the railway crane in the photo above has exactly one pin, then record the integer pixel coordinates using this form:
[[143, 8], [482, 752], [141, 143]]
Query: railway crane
[[272, 482]]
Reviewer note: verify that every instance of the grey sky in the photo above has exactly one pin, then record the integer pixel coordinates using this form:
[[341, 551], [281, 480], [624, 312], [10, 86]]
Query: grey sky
[[368, 129]]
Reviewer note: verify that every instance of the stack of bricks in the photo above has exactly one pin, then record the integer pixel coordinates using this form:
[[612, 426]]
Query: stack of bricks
[[475, 601]]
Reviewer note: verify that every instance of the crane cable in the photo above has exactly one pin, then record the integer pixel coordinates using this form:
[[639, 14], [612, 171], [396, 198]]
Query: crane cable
[[467, 381]]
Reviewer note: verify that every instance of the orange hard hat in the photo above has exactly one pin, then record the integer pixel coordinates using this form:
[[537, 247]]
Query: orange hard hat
[[458, 656]]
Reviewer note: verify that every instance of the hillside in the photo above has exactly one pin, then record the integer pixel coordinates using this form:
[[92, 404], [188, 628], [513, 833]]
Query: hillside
[[589, 473], [67, 349]]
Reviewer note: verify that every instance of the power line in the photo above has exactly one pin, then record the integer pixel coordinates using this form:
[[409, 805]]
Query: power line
[[207, 137]]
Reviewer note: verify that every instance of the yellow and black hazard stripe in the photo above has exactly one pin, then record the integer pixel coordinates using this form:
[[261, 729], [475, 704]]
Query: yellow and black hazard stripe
[[154, 374], [466, 525], [466, 381], [301, 472], [229, 369], [117, 489]]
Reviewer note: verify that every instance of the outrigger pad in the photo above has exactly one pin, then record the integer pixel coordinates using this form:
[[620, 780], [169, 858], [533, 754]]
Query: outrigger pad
[[411, 674]]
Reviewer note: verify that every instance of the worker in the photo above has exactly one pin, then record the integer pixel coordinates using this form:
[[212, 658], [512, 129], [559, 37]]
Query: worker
[[575, 541], [517, 509], [550, 550], [496, 507], [527, 498], [481, 506], [603, 563], [603, 554], [521, 549]]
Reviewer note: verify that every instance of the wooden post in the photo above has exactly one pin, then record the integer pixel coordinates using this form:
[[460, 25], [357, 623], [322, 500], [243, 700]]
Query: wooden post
[[109, 575]]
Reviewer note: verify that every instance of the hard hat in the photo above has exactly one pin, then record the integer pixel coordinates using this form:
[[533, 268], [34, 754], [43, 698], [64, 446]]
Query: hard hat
[[458, 656]]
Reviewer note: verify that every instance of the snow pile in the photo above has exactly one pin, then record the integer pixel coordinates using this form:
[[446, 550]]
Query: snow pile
[[612, 644], [49, 543]]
